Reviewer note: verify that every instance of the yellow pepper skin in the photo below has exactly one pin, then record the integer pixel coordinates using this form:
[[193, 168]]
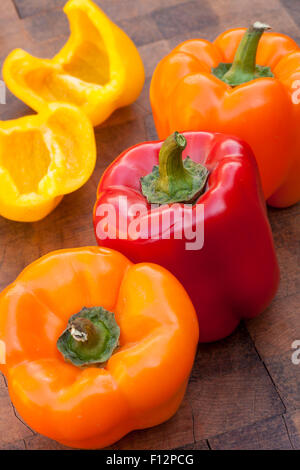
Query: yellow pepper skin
[[99, 68], [43, 157]]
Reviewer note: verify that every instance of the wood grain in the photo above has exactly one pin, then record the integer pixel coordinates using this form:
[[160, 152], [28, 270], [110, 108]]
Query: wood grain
[[293, 426], [12, 430], [244, 392], [229, 387], [269, 434]]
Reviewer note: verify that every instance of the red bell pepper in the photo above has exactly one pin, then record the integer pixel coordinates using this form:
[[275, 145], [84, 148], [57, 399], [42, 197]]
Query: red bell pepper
[[235, 273]]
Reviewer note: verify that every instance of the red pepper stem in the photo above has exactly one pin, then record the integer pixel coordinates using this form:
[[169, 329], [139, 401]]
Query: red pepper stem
[[172, 174], [174, 180], [243, 68]]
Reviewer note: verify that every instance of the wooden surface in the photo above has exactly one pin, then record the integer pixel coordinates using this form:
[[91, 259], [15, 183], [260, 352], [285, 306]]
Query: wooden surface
[[244, 391]]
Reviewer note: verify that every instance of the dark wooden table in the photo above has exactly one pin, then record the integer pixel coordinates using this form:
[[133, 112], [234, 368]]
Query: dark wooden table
[[244, 391]]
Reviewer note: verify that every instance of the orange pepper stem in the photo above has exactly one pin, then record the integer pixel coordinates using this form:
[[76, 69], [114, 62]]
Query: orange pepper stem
[[83, 330], [90, 337], [174, 180], [244, 68]]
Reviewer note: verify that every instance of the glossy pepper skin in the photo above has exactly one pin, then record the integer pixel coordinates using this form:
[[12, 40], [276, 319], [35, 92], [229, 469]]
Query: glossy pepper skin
[[186, 95], [99, 68], [43, 157], [143, 382], [235, 274]]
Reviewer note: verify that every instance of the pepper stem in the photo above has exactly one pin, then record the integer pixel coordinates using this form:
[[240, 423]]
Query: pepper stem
[[90, 338], [172, 174], [174, 180], [83, 330], [244, 68]]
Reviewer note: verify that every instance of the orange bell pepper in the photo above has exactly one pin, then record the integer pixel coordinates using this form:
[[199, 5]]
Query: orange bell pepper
[[218, 87], [136, 360], [99, 68]]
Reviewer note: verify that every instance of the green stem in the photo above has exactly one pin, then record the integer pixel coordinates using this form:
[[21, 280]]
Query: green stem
[[174, 180], [172, 174], [90, 337], [244, 68]]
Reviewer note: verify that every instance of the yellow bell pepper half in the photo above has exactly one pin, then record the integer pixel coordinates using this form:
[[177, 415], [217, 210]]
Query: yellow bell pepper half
[[99, 68], [43, 157]]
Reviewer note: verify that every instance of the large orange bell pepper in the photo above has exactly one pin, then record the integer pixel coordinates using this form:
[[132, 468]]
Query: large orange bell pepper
[[87, 379], [99, 68], [218, 87]]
